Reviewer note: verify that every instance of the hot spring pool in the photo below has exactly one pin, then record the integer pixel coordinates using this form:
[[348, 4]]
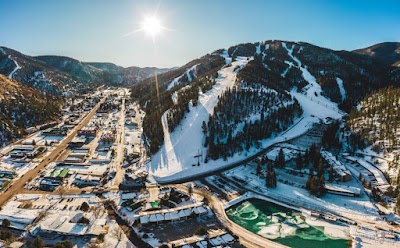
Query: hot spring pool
[[282, 225]]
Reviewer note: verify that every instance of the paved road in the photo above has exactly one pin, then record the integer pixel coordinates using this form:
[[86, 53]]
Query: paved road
[[19, 184], [119, 157]]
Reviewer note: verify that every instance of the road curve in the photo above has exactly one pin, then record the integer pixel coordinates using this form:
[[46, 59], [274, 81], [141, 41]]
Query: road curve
[[247, 238]]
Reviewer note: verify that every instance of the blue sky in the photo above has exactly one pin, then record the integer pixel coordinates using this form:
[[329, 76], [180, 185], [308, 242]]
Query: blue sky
[[95, 30]]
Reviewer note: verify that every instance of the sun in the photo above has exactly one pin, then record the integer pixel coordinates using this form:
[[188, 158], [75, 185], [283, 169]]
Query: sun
[[152, 26]]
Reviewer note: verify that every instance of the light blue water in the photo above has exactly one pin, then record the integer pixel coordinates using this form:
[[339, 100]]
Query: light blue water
[[282, 225]]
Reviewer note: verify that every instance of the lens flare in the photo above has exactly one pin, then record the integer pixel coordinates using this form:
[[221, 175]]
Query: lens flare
[[152, 26]]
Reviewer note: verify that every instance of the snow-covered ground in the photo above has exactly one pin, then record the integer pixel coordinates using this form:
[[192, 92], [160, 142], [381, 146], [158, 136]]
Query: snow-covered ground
[[111, 239], [180, 147], [361, 207], [176, 158], [192, 71], [341, 88], [17, 67]]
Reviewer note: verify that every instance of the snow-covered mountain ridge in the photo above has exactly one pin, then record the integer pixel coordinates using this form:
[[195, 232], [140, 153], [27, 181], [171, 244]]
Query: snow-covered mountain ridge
[[324, 83]]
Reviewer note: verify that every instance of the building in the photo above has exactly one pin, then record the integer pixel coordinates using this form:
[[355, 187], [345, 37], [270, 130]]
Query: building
[[78, 141], [88, 131], [55, 131], [342, 173], [49, 183], [37, 151]]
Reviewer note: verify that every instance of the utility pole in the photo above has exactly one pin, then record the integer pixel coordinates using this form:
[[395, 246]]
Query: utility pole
[[198, 156]]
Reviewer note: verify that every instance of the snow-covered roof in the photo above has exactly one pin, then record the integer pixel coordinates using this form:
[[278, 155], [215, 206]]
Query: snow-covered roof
[[217, 241], [182, 214], [227, 238], [153, 218], [127, 196], [144, 219]]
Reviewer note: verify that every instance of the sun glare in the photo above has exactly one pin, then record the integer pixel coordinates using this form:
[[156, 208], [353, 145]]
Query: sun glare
[[151, 25]]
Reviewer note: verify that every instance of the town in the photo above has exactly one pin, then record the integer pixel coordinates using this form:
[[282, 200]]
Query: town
[[85, 179]]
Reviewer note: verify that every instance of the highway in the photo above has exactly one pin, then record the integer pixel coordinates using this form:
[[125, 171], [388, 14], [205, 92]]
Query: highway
[[19, 184]]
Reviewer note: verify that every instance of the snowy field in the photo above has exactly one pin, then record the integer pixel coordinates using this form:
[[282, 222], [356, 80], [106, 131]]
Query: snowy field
[[359, 207], [176, 158]]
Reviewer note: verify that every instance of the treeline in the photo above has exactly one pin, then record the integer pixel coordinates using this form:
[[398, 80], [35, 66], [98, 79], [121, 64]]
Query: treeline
[[245, 115], [184, 98]]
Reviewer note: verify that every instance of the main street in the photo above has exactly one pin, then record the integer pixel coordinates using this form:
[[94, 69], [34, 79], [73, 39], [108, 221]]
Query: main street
[[19, 184], [119, 153]]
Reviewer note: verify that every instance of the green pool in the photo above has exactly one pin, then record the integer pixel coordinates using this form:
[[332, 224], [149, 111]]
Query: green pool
[[282, 225]]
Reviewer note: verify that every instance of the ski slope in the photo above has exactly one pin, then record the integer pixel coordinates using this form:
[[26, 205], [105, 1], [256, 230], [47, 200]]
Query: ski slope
[[10, 76], [177, 157], [189, 72], [341, 88], [180, 147], [315, 106]]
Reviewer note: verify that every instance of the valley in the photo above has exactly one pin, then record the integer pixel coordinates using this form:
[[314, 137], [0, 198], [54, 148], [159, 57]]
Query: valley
[[255, 145]]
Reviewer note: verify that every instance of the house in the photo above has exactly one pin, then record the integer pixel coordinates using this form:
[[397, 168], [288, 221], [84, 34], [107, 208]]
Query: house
[[341, 171], [49, 183], [78, 141], [36, 152], [88, 131], [55, 131]]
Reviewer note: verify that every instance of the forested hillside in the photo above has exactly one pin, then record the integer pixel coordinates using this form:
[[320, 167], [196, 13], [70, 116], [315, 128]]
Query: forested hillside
[[343, 77], [246, 114], [22, 107], [377, 120]]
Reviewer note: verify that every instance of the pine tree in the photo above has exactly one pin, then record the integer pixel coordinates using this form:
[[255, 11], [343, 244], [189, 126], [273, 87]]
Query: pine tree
[[258, 169], [299, 161], [321, 185], [280, 159], [320, 167], [270, 177], [330, 172], [204, 127], [397, 207]]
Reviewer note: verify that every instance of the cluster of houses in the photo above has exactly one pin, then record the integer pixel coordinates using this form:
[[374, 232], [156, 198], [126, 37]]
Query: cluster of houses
[[341, 172], [26, 151], [174, 214], [369, 175]]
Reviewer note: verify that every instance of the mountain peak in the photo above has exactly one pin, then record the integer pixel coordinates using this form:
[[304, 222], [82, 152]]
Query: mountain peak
[[385, 52]]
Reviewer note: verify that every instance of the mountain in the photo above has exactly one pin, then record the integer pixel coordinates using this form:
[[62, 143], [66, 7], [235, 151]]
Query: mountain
[[376, 122], [33, 72], [298, 73], [100, 73], [57, 74], [386, 52], [22, 106]]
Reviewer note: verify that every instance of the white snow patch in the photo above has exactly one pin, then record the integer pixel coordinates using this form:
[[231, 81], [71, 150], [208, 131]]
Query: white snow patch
[[341, 88], [287, 69], [176, 81], [10, 76], [258, 48], [225, 55]]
